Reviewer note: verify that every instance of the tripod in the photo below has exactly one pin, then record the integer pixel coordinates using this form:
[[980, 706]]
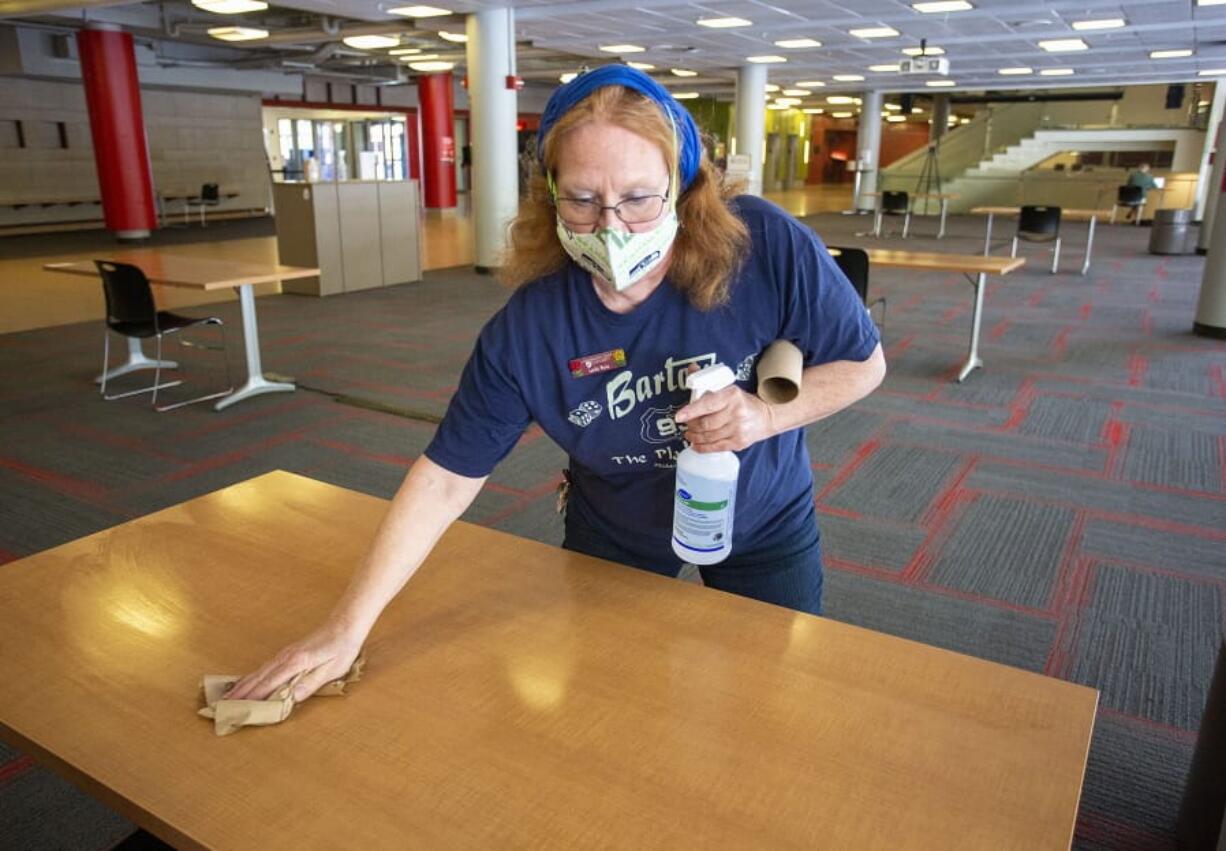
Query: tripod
[[930, 174]]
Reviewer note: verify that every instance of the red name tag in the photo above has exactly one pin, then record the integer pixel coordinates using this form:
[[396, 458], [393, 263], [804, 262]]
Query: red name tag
[[595, 364]]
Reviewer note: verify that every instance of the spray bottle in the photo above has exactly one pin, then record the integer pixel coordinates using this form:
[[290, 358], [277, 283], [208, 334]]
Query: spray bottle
[[705, 498]]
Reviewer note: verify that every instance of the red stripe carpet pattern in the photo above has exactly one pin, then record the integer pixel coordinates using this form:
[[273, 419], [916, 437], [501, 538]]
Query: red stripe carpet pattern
[[1063, 511]]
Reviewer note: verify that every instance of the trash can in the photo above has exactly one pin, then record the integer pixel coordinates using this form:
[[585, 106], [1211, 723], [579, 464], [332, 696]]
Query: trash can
[[1169, 234]]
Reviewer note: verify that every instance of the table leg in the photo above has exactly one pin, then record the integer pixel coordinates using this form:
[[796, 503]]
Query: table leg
[[1085, 266], [987, 238], [256, 383], [973, 360], [944, 207], [136, 360]]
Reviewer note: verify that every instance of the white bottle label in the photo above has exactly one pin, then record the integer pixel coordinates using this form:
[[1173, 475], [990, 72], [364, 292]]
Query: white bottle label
[[702, 516]]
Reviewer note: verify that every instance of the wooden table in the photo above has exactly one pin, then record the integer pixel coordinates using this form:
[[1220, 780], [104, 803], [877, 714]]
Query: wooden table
[[1069, 214], [171, 270], [973, 266], [517, 695], [943, 197]]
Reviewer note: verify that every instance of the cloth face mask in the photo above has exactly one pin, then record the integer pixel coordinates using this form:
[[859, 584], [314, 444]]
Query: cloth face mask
[[619, 257]]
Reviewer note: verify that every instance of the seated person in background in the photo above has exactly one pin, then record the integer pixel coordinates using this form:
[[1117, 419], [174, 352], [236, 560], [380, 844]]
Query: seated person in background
[[1141, 177]]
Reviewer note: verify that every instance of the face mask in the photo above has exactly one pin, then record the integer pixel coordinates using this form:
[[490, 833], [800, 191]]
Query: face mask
[[620, 258]]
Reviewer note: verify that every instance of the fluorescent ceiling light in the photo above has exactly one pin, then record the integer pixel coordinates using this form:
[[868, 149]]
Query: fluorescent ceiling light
[[683, 72], [642, 66], [570, 75], [237, 33], [797, 43], [1213, 72], [813, 110], [1014, 72], [788, 101], [432, 66], [421, 57], [839, 99], [723, 23], [776, 106], [1170, 54], [419, 11], [371, 42], [894, 119], [893, 107], [874, 32], [917, 110], [840, 115], [766, 60], [770, 87], [1056, 72], [1100, 24], [797, 93], [685, 95], [930, 51], [1210, 2], [456, 38], [881, 69], [940, 83], [1063, 45], [811, 84], [404, 51], [230, 7], [848, 78], [622, 48], [942, 6]]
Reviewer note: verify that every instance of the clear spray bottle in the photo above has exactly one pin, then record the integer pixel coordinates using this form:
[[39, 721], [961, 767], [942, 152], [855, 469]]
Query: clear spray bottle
[[705, 496]]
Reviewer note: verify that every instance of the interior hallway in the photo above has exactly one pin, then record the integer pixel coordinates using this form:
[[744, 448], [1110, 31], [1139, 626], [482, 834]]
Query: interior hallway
[[33, 298]]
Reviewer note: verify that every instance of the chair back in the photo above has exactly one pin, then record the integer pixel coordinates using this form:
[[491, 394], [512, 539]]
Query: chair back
[[1039, 221], [854, 263], [129, 298], [893, 202], [1130, 196], [210, 192]]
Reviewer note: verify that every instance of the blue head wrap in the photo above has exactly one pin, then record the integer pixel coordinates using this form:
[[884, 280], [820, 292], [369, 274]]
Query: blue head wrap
[[689, 146]]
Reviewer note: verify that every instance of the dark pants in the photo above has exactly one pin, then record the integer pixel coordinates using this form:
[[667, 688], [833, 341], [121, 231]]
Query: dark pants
[[787, 574]]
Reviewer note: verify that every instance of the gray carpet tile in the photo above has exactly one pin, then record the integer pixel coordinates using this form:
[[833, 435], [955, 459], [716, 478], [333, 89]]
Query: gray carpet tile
[[1176, 457], [491, 505], [885, 546], [1194, 419], [998, 444], [1184, 372], [988, 632], [538, 520], [832, 440], [1135, 775], [240, 428], [896, 483], [895, 405], [94, 461], [1189, 554], [374, 433], [917, 368], [1006, 549], [1073, 420], [1121, 391], [994, 387], [40, 812], [375, 477], [1148, 643], [1097, 494], [531, 464], [35, 516]]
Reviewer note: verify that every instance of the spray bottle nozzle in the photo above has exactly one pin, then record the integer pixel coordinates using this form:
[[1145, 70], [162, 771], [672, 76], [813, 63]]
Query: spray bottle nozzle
[[709, 379]]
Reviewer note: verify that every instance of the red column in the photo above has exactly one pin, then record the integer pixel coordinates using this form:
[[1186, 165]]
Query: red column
[[437, 142], [121, 152]]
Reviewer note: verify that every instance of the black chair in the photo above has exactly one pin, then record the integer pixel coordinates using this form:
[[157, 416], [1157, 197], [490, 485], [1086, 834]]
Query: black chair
[[210, 196], [854, 263], [894, 204], [1132, 197], [131, 312], [1039, 224]]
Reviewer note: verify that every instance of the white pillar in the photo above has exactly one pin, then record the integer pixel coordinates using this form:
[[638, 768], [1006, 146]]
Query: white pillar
[[492, 117], [1211, 131], [868, 147], [751, 120], [1211, 304]]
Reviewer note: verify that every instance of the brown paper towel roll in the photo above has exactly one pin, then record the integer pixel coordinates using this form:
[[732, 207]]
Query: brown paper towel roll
[[779, 373]]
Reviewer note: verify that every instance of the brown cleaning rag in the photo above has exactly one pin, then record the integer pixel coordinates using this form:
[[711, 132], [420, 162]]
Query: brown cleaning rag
[[229, 715]]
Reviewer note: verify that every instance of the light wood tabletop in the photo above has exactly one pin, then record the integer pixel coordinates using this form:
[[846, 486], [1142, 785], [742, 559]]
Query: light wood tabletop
[[1071, 213], [202, 273], [516, 695], [934, 261]]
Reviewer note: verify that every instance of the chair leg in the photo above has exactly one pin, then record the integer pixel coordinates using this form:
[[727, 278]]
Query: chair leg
[[906, 224], [877, 225], [1137, 221], [1013, 250], [225, 353], [106, 357], [157, 371], [1055, 257], [1114, 207]]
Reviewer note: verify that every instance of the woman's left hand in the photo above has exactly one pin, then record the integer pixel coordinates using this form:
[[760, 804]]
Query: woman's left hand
[[729, 419]]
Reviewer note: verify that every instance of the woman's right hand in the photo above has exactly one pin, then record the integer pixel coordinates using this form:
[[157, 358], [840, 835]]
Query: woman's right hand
[[325, 655]]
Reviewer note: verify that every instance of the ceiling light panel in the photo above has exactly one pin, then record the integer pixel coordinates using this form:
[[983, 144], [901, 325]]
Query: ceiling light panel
[[1100, 24], [237, 33], [723, 23], [419, 11], [1179, 53], [371, 42], [230, 7], [874, 32], [622, 48], [942, 6], [798, 43], [766, 60], [1063, 45]]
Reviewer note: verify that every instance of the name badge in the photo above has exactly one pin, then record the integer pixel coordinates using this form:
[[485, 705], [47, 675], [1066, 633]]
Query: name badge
[[596, 364]]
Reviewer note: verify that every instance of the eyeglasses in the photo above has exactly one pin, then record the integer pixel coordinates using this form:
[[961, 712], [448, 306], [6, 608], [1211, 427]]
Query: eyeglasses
[[632, 211]]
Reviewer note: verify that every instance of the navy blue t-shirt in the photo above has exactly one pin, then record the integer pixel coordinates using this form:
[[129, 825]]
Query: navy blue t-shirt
[[617, 426]]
